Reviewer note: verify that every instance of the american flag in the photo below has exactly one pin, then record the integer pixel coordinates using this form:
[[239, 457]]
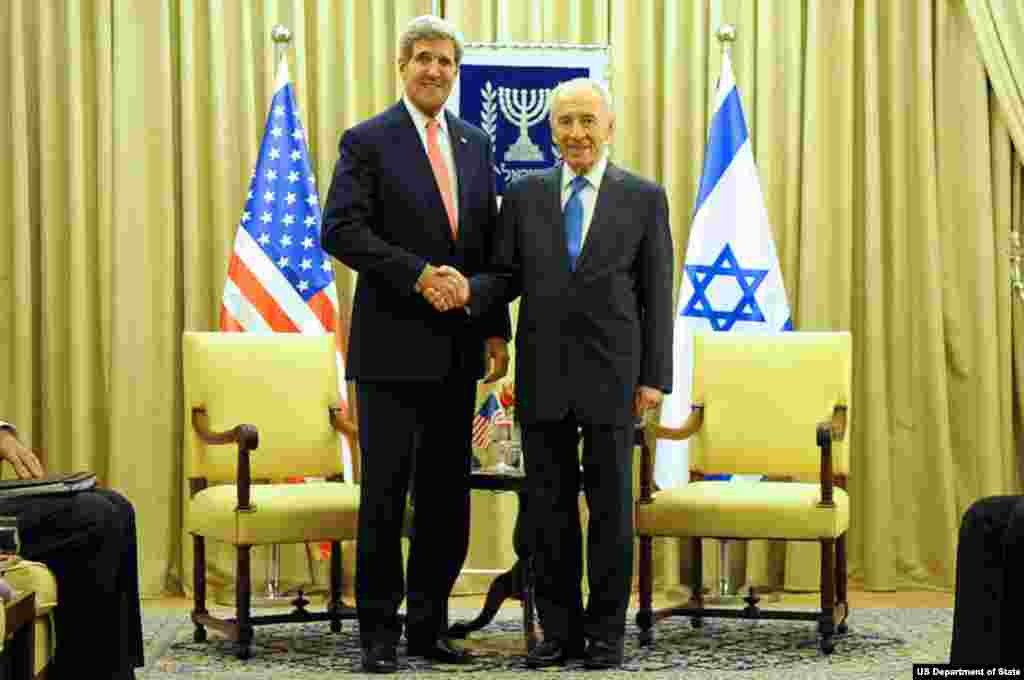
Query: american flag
[[279, 279], [489, 411]]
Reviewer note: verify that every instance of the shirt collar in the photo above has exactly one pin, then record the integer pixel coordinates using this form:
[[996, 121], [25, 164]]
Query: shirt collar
[[594, 176], [420, 119]]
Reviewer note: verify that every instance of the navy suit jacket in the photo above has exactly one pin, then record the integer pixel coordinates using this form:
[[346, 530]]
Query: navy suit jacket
[[585, 339], [384, 217]]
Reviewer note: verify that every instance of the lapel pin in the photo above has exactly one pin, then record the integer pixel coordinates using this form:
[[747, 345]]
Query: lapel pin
[[462, 139]]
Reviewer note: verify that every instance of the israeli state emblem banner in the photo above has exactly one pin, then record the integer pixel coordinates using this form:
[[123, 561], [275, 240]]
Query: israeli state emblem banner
[[504, 90]]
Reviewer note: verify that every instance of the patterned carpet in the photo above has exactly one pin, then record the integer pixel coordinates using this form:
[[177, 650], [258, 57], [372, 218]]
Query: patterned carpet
[[881, 643]]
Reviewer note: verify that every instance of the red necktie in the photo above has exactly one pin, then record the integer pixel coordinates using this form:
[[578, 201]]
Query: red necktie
[[444, 182]]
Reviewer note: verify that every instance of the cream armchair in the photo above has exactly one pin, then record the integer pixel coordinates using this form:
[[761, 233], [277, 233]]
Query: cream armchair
[[777, 405], [264, 407]]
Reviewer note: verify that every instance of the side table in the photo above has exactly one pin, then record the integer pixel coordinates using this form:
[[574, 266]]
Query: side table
[[19, 644], [517, 582]]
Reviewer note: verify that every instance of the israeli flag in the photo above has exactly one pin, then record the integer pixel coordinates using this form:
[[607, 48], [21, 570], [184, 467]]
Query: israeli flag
[[731, 277]]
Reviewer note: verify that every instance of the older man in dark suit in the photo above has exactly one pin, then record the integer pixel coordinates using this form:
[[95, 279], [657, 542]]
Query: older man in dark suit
[[588, 247], [413, 190]]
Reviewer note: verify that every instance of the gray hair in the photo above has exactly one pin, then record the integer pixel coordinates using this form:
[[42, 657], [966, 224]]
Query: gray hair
[[566, 85], [428, 27]]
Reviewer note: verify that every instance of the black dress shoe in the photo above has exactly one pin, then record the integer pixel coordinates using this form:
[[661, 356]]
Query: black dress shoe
[[604, 653], [380, 658], [553, 652], [440, 650]]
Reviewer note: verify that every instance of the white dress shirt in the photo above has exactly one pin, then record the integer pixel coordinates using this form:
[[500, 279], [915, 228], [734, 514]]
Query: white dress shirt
[[588, 195], [444, 141]]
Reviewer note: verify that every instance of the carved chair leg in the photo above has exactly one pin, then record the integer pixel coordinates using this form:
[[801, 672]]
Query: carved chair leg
[[645, 616], [697, 579], [335, 605], [826, 625], [199, 585], [841, 582], [243, 596]]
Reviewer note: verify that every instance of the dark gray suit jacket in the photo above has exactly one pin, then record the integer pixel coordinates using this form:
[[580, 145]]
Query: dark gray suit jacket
[[585, 339]]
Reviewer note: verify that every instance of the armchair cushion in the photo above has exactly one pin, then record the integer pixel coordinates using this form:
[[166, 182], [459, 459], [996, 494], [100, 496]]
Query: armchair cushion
[[744, 510], [36, 576], [283, 513]]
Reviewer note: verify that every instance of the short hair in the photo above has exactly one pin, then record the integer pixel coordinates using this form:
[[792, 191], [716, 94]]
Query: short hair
[[428, 27], [596, 85]]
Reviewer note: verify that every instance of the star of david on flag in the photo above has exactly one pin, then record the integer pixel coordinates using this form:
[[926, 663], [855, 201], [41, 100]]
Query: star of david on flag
[[732, 282], [279, 279]]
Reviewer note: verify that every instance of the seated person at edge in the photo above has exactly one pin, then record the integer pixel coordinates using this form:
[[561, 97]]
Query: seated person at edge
[[989, 566], [87, 539]]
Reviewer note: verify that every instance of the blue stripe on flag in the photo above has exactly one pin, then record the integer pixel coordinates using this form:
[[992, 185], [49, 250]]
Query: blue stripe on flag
[[728, 133]]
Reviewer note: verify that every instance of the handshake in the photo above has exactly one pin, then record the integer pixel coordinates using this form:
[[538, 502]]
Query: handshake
[[443, 287]]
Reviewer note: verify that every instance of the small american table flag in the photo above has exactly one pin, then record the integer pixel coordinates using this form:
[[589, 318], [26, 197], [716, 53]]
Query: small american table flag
[[279, 279], [484, 420]]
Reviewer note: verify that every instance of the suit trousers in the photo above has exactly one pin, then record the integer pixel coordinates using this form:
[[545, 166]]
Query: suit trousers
[[88, 540], [420, 432], [989, 587], [553, 474]]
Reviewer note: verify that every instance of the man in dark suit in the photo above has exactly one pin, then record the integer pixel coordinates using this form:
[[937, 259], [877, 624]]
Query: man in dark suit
[[413, 190], [88, 540], [588, 247]]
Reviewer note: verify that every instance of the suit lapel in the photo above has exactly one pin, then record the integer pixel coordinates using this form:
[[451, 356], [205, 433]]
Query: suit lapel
[[460, 150], [608, 197], [551, 212]]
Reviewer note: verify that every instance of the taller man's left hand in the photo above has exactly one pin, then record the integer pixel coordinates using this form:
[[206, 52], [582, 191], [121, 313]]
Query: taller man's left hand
[[497, 359], [644, 399]]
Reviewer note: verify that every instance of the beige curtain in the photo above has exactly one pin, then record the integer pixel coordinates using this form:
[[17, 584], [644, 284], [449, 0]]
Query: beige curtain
[[131, 128], [999, 26]]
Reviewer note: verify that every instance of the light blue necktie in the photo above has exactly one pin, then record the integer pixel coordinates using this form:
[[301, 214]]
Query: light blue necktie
[[573, 217]]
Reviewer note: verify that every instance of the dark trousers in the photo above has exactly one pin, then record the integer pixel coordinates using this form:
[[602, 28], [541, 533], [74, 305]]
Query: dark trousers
[[553, 482], [418, 431], [88, 541], [989, 588]]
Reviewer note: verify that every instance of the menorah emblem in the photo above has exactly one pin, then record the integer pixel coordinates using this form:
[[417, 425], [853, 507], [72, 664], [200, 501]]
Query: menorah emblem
[[523, 108]]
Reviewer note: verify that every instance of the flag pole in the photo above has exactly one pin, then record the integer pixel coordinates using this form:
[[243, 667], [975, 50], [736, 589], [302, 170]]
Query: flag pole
[[727, 594], [281, 36]]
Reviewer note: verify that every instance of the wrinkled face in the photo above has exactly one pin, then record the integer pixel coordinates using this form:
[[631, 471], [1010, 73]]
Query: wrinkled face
[[581, 126], [429, 74]]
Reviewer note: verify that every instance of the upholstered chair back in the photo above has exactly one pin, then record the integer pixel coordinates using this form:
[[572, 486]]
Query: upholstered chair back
[[763, 396]]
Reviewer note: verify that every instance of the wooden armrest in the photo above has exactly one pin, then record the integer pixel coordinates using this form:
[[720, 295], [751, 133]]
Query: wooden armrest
[[653, 432], [244, 435], [692, 424], [248, 439], [342, 423], [839, 423], [347, 427]]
